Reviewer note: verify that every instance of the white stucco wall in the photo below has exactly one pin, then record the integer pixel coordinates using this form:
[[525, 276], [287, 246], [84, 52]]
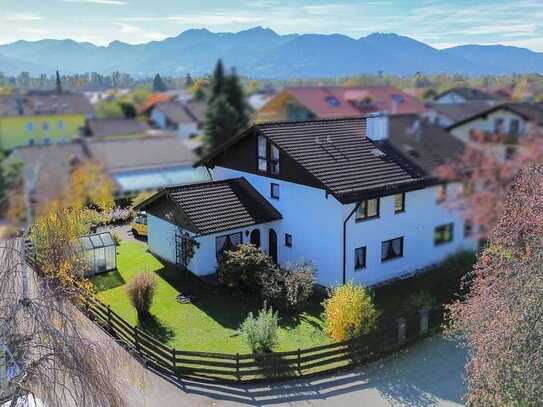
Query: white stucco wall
[[451, 98], [161, 238], [416, 225], [314, 221], [186, 130], [437, 118], [488, 123], [159, 119]]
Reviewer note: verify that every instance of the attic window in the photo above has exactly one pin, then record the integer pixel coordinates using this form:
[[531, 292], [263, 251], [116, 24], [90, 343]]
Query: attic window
[[262, 154], [398, 98], [332, 101]]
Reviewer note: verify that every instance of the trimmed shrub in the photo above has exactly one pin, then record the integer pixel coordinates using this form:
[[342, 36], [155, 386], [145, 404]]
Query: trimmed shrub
[[417, 300], [290, 287], [349, 312], [243, 267], [260, 333], [141, 290]]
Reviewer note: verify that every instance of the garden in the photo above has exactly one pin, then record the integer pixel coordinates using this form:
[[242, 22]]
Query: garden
[[234, 317]]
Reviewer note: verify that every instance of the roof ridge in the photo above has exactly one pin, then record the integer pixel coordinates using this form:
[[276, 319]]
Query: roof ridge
[[202, 183], [299, 122]]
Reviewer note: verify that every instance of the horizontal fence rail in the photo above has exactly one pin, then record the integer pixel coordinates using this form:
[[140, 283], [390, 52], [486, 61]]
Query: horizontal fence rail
[[391, 335]]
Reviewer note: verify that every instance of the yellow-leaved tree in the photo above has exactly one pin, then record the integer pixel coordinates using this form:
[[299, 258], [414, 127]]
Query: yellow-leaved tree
[[55, 234], [90, 186], [349, 312]]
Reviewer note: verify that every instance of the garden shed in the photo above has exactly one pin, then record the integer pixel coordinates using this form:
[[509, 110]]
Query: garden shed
[[100, 251]]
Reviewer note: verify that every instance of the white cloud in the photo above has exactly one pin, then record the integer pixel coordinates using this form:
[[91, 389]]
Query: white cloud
[[103, 2], [128, 28], [20, 17], [32, 30]]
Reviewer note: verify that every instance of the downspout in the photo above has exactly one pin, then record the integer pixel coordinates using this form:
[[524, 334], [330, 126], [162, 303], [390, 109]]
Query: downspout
[[344, 273]]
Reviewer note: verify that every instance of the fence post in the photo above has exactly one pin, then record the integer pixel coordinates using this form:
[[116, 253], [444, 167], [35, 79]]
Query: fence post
[[424, 313], [402, 328], [174, 361], [299, 361], [109, 326], [136, 343], [237, 368]]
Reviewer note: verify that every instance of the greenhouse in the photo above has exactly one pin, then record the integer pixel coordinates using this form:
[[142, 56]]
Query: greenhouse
[[100, 251]]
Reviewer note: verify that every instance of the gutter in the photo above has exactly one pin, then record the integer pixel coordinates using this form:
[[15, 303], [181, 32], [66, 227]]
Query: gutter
[[344, 270]]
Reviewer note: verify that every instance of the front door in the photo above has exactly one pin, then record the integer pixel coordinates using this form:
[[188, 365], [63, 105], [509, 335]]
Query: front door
[[272, 241]]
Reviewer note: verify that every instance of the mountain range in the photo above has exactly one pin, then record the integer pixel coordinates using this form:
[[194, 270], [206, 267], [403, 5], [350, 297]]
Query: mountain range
[[262, 53]]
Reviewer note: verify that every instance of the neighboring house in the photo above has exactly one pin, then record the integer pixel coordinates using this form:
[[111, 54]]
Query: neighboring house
[[327, 102], [41, 118], [48, 167], [114, 128], [186, 118], [463, 95], [134, 164], [146, 163], [355, 196], [498, 127], [447, 114]]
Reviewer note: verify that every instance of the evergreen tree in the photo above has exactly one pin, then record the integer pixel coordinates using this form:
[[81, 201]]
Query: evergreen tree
[[189, 81], [58, 84], [217, 82], [221, 123], [234, 95], [158, 84]]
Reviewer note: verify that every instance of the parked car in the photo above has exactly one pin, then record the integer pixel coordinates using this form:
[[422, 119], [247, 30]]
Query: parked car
[[139, 224]]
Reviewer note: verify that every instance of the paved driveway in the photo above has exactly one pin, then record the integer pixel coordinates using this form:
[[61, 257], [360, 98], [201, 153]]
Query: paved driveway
[[429, 374]]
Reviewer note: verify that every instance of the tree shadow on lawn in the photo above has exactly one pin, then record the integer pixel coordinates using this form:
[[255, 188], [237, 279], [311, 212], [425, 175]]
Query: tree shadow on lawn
[[230, 307], [153, 326]]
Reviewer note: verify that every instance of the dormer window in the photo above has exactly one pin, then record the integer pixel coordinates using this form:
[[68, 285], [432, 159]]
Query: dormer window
[[262, 154], [274, 169]]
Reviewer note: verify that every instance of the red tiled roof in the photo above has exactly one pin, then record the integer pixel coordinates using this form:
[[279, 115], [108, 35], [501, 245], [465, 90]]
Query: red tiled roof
[[154, 99], [335, 101]]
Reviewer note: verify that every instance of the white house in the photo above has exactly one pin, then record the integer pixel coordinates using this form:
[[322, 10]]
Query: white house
[[498, 128], [186, 118], [358, 200], [463, 95]]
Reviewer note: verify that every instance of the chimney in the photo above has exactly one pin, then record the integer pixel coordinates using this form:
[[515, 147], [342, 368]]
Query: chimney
[[377, 126]]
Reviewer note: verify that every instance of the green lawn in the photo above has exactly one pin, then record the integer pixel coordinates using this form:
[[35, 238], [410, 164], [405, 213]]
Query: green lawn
[[211, 323]]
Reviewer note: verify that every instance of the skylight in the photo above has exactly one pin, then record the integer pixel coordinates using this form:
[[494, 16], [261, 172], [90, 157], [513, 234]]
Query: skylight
[[332, 101]]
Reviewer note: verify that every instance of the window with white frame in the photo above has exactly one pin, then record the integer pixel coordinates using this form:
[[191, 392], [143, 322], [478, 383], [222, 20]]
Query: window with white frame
[[274, 152], [274, 190], [262, 154]]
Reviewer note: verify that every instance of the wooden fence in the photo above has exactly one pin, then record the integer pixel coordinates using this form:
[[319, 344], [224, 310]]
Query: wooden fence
[[391, 335]]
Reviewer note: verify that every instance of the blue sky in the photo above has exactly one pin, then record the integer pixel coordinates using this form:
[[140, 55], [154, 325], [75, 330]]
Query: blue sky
[[441, 23]]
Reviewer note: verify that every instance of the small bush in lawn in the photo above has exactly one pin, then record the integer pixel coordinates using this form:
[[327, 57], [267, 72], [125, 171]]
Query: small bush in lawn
[[260, 333], [141, 290], [416, 301], [349, 312], [243, 267], [116, 238], [290, 287]]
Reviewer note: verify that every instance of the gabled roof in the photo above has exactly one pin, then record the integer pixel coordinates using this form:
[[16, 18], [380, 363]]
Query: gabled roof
[[45, 104], [155, 98], [337, 101], [179, 112], [460, 111], [529, 112], [338, 155], [469, 94], [115, 127], [218, 206], [422, 142]]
